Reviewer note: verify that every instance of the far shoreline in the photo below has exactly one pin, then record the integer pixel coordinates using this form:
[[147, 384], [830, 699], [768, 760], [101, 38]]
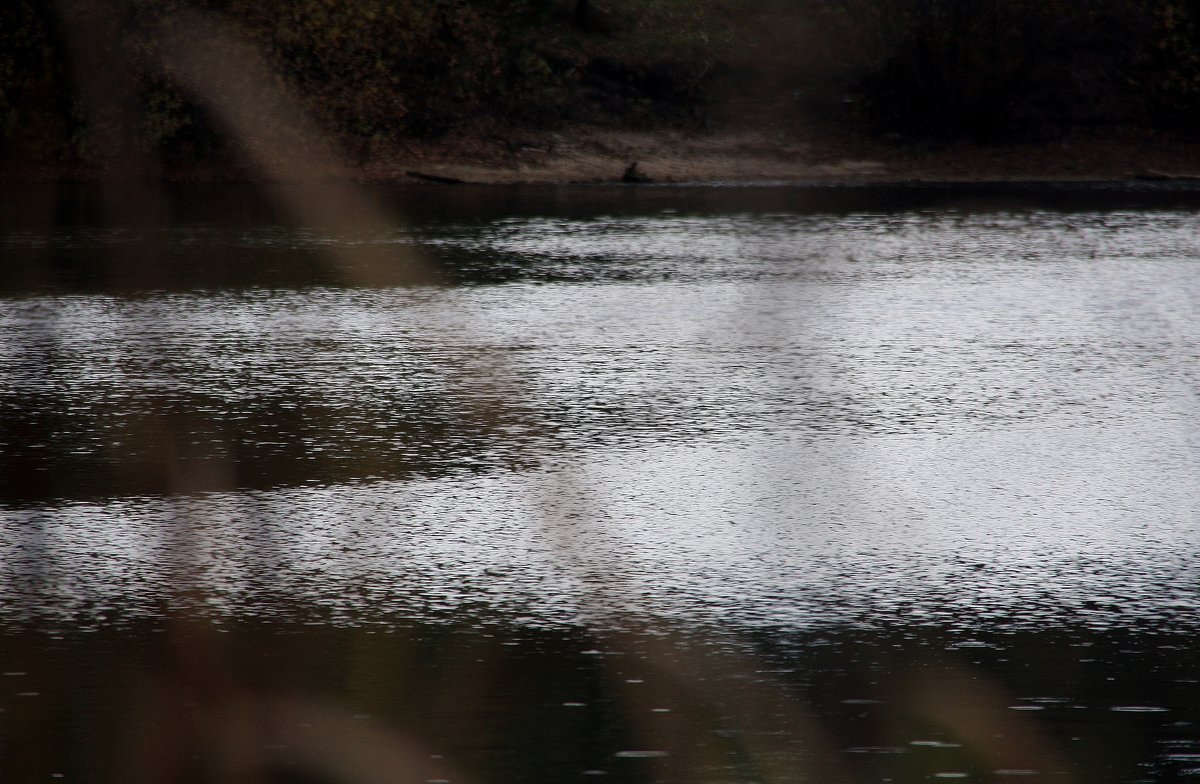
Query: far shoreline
[[591, 156]]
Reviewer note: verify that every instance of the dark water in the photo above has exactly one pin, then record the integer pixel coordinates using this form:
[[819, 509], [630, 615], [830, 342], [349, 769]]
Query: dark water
[[601, 484]]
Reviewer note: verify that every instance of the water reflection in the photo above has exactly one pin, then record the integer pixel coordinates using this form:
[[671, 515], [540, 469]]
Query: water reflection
[[641, 493], [761, 532]]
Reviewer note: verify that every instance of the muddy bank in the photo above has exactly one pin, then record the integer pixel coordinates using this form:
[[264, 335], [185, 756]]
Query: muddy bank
[[604, 156], [592, 155]]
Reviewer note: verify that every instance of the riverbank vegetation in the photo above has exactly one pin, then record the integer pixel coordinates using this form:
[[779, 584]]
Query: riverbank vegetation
[[83, 81]]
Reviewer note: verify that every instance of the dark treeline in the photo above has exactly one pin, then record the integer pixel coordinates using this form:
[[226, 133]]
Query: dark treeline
[[370, 72], [997, 69], [380, 72]]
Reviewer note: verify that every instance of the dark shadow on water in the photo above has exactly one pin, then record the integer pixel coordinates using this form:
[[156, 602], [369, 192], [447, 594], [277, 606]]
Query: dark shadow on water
[[124, 702], [62, 239]]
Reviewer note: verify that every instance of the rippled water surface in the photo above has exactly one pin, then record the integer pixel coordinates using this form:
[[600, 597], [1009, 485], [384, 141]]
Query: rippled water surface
[[922, 466]]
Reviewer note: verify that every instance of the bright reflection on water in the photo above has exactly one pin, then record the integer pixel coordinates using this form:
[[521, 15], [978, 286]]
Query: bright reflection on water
[[960, 423], [762, 419]]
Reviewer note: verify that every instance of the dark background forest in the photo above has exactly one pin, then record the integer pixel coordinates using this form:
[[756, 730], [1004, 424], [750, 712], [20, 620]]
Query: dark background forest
[[378, 73]]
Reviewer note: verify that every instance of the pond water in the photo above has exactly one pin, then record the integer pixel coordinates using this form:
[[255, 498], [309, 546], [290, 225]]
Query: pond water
[[600, 484]]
